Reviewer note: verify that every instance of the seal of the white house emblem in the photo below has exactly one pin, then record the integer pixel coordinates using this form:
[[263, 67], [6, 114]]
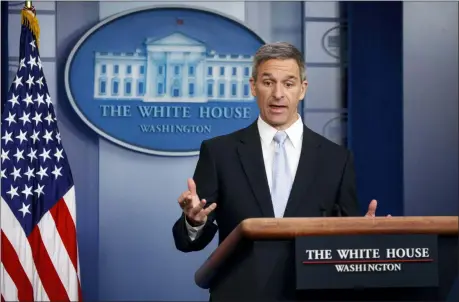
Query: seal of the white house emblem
[[161, 80]]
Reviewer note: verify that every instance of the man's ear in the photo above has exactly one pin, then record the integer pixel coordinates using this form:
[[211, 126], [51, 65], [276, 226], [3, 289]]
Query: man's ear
[[304, 88], [252, 86]]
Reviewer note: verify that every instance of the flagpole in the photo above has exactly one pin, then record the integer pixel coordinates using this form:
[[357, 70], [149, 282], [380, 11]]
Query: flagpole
[[28, 4]]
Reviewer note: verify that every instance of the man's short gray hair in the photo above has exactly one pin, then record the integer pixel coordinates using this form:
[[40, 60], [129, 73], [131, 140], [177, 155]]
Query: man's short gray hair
[[278, 50]]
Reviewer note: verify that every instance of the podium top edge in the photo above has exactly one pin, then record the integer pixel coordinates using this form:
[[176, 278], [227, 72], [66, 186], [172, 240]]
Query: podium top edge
[[294, 227]]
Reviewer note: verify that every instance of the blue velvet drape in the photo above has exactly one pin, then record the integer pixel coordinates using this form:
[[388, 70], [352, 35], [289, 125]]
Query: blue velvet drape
[[375, 101]]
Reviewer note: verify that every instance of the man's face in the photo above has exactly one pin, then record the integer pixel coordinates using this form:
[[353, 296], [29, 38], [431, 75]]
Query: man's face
[[278, 89]]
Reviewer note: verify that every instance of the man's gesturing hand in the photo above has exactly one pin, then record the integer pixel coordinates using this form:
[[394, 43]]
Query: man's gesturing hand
[[193, 207]]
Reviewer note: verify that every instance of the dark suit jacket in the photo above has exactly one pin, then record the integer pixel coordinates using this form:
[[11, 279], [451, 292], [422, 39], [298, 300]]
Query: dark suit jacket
[[231, 173]]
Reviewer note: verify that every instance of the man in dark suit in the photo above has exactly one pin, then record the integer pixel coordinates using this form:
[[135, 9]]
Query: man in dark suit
[[276, 167]]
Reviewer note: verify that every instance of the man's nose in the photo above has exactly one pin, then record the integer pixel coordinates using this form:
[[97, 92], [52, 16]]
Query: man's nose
[[278, 91]]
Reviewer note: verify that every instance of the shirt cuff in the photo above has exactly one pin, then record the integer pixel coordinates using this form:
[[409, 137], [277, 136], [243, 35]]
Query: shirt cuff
[[193, 232]]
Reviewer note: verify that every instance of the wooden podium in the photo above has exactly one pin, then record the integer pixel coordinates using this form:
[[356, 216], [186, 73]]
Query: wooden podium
[[299, 259]]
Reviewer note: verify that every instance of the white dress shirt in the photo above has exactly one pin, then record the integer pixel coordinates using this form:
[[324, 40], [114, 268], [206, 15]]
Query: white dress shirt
[[293, 146]]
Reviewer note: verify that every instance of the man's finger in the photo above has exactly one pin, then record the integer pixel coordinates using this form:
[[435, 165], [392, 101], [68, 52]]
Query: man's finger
[[189, 201], [186, 203], [183, 196], [372, 208], [209, 209], [191, 186], [195, 210]]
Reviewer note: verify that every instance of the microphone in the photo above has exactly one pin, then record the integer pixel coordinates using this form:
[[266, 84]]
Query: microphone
[[323, 212], [337, 210]]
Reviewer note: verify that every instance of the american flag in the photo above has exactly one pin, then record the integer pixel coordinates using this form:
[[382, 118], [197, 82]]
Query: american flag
[[39, 252]]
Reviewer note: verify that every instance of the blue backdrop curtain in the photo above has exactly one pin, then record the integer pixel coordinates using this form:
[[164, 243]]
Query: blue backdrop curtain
[[375, 101], [4, 51]]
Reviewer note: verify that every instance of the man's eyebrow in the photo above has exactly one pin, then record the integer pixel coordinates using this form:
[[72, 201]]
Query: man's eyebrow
[[292, 77], [269, 75]]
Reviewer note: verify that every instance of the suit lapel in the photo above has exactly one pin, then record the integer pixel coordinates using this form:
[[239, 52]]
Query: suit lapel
[[251, 156], [305, 174]]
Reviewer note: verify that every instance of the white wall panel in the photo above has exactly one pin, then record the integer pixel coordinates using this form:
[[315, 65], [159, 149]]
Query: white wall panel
[[235, 9], [44, 5], [332, 125], [324, 88], [321, 45], [323, 107], [322, 9]]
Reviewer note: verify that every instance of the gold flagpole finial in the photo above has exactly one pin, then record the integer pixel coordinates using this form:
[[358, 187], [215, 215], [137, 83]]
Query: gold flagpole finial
[[29, 19]]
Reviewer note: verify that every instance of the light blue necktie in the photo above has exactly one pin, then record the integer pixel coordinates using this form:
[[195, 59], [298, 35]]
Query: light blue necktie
[[281, 179]]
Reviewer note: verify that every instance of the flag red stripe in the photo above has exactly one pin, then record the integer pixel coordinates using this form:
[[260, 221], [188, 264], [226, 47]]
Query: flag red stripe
[[3, 299], [14, 268], [67, 231], [45, 268]]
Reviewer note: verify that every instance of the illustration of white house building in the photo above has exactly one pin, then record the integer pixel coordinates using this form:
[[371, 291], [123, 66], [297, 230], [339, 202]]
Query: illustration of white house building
[[176, 68]]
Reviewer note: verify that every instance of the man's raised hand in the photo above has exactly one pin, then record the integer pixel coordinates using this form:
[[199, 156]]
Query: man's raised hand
[[193, 208]]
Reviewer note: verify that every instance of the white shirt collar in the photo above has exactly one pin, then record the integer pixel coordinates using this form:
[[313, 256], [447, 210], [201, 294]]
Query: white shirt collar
[[294, 132]]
